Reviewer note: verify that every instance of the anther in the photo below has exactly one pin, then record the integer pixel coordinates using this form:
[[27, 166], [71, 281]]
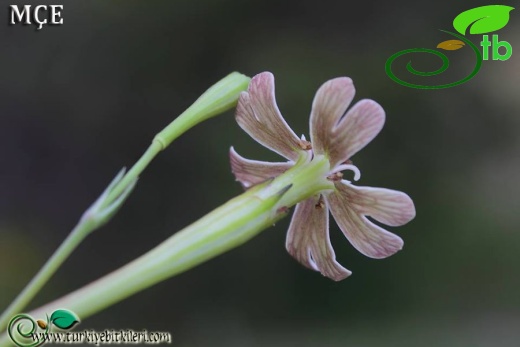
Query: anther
[[336, 176], [305, 145], [320, 204]]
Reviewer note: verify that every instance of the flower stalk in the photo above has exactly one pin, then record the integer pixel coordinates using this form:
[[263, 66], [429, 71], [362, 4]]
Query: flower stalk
[[311, 179], [220, 97], [223, 229]]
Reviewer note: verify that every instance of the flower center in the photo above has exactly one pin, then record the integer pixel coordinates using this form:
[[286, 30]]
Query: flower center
[[336, 175]]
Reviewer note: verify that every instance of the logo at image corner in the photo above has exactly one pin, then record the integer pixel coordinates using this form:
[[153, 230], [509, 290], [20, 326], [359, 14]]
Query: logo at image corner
[[480, 21], [25, 331]]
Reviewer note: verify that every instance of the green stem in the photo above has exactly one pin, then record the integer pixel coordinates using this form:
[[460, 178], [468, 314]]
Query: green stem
[[135, 171], [46, 272], [225, 228], [220, 97], [76, 236]]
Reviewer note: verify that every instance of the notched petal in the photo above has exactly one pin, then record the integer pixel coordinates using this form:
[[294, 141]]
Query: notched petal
[[308, 239], [250, 172], [367, 237], [259, 116], [390, 207], [355, 130], [329, 105]]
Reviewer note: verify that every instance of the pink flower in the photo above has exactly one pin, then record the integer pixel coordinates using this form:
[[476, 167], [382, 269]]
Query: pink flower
[[335, 136]]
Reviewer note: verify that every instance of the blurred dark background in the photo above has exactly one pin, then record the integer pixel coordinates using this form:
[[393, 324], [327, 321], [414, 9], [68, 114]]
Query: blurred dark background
[[81, 100]]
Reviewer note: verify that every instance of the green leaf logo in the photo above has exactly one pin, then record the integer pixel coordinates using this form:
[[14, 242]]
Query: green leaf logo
[[482, 20], [64, 319]]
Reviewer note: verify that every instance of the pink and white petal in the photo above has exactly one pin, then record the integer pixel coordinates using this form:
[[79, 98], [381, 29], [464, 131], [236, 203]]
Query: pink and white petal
[[329, 105], [368, 238], [308, 239], [258, 115], [390, 207], [355, 130], [250, 172]]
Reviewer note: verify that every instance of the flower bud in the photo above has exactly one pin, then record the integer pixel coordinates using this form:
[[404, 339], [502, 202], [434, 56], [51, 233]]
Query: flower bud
[[220, 97]]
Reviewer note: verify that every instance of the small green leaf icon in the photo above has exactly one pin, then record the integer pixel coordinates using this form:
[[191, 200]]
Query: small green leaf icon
[[482, 20], [64, 319], [451, 45]]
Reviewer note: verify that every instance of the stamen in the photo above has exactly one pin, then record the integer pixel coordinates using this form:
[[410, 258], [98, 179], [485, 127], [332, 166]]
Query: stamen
[[336, 176], [320, 204], [357, 173], [305, 145]]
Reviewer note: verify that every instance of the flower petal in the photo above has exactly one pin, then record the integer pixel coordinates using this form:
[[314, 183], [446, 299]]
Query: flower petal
[[329, 105], [342, 137], [359, 126], [387, 206], [250, 172], [368, 238], [258, 115], [308, 239]]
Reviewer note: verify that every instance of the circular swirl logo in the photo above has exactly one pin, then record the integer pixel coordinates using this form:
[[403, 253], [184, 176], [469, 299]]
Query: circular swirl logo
[[24, 331], [24, 335], [444, 67], [479, 20]]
